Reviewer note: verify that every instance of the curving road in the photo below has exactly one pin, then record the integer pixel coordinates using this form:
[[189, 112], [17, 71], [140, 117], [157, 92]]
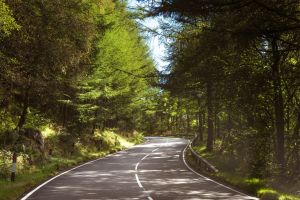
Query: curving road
[[154, 170]]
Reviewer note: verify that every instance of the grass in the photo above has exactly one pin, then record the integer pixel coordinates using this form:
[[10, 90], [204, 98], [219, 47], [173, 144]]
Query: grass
[[239, 180], [36, 174]]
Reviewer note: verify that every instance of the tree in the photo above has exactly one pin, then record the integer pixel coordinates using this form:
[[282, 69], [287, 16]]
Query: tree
[[271, 27], [55, 36], [7, 21], [112, 94]]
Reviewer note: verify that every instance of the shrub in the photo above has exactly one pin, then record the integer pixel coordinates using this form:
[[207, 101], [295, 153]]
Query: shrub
[[268, 194]]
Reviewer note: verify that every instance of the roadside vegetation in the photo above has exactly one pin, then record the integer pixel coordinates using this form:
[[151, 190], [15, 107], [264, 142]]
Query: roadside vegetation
[[76, 84], [233, 172], [234, 80], [33, 167]]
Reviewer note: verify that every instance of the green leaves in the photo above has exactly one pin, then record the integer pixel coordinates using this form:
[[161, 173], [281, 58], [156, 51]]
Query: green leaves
[[113, 89], [7, 21], [80, 63]]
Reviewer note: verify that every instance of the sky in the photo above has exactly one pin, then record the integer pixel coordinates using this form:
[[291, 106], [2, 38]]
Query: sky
[[155, 43]]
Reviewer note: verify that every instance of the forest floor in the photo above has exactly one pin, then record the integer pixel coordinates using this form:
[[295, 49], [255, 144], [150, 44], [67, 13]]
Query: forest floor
[[262, 187], [29, 176]]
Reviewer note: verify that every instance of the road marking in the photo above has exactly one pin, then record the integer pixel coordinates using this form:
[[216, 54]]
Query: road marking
[[46, 182], [138, 181], [136, 166], [136, 173], [206, 178]]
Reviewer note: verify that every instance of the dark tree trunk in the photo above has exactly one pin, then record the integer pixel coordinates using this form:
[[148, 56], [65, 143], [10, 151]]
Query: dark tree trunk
[[173, 124], [229, 120], [64, 115], [278, 105], [188, 125], [296, 137], [169, 117], [25, 105], [217, 125], [210, 118], [94, 126], [200, 122], [177, 123]]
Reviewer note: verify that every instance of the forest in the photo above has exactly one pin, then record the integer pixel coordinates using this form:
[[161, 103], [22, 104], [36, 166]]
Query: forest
[[234, 78], [78, 79]]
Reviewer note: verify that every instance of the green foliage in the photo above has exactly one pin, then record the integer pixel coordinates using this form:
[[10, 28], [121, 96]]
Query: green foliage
[[115, 89], [234, 70], [231, 174], [7, 21], [81, 65], [268, 194], [63, 156], [79, 71]]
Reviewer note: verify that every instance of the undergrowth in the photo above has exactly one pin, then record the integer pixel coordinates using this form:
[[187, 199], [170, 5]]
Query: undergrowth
[[231, 173], [67, 151]]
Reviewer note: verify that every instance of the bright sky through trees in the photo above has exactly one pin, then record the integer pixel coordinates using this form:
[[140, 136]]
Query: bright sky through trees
[[156, 45]]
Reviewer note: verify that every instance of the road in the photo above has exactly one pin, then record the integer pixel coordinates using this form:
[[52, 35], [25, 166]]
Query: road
[[153, 170]]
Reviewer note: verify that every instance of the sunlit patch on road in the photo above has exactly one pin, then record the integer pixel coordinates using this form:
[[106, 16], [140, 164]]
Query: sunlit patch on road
[[151, 171]]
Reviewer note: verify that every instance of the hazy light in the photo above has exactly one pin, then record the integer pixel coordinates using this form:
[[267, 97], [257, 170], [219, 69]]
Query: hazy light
[[155, 43]]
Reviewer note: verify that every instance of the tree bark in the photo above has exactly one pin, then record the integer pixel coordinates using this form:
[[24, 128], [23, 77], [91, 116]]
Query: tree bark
[[296, 137], [278, 106], [200, 122], [64, 115], [24, 113], [188, 125], [217, 125], [94, 125], [210, 117], [229, 119]]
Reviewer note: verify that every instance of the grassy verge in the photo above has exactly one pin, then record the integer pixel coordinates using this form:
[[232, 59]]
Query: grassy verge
[[252, 186], [36, 174]]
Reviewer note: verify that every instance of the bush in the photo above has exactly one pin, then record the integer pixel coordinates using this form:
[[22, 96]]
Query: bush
[[253, 185], [268, 194]]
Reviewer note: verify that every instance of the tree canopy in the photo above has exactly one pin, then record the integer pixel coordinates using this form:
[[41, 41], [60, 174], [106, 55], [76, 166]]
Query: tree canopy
[[240, 61]]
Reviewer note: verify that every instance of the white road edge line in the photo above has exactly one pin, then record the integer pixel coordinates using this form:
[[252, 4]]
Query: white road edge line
[[183, 157], [136, 173], [46, 182]]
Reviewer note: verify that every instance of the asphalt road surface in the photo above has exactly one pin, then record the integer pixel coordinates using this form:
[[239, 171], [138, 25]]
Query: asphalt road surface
[[153, 170]]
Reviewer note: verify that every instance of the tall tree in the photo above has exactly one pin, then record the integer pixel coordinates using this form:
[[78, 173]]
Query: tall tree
[[270, 26], [55, 36]]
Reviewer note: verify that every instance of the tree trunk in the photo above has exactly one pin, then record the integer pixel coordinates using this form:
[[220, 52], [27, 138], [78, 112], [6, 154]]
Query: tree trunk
[[210, 118], [188, 125], [23, 116], [278, 106], [296, 137], [169, 122], [94, 126], [229, 119], [64, 115], [217, 124], [200, 122]]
